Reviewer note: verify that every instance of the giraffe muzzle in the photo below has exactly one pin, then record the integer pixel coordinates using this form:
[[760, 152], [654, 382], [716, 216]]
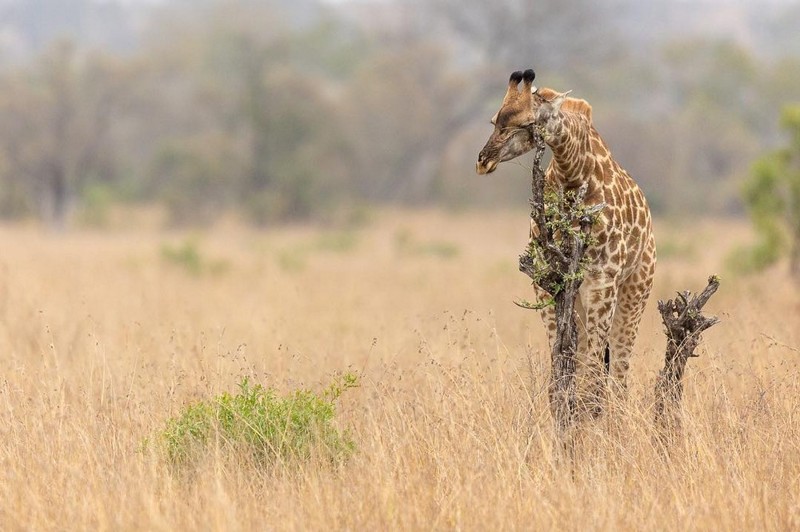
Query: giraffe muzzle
[[484, 167]]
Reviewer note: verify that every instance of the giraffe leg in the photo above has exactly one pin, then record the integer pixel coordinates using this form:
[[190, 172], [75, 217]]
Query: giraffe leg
[[598, 305], [631, 303]]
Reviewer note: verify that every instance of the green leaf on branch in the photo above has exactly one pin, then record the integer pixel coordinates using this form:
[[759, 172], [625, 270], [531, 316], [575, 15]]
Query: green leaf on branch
[[524, 303]]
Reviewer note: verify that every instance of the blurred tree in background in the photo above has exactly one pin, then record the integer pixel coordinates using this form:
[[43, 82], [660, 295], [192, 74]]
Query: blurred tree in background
[[249, 103], [772, 196], [60, 109], [283, 110]]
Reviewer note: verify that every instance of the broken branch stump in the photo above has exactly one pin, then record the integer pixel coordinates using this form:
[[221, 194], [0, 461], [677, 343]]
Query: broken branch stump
[[684, 324]]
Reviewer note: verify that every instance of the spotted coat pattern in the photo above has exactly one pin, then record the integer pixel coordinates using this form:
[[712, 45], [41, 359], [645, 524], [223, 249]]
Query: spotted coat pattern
[[622, 259]]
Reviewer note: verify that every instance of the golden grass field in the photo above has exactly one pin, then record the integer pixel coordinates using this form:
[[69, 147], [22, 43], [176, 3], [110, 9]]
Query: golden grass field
[[102, 339]]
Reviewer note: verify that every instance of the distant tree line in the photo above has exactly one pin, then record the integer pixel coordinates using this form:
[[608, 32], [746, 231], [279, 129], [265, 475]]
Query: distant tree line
[[245, 106]]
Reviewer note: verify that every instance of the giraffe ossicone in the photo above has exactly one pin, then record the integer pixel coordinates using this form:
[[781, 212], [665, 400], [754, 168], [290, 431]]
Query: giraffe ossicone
[[622, 257]]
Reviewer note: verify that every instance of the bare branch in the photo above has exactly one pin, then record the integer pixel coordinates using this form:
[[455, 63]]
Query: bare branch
[[684, 324]]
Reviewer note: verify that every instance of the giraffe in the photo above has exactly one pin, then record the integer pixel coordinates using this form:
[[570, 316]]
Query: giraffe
[[622, 258]]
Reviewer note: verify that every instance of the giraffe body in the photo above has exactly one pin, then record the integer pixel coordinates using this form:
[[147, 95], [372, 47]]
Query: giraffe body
[[621, 260]]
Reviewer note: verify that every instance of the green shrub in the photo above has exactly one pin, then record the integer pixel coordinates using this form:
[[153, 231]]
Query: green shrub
[[772, 197], [292, 259], [256, 421], [188, 257], [97, 200]]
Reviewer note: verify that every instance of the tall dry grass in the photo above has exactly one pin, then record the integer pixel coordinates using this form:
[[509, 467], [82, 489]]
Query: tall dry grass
[[102, 338]]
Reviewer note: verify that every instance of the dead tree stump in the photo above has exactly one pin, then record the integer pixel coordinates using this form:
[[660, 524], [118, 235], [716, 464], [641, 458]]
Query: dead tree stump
[[554, 261], [684, 324]]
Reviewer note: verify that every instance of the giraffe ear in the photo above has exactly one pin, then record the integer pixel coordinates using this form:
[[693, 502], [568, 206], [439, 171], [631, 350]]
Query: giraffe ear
[[551, 105], [557, 101]]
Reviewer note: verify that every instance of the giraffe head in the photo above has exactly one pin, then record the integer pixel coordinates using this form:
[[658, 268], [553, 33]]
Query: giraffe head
[[511, 136], [522, 108]]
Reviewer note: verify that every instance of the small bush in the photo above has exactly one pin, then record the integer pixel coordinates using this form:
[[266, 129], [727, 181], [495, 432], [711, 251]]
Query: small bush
[[745, 260], [96, 204], [258, 422], [188, 257]]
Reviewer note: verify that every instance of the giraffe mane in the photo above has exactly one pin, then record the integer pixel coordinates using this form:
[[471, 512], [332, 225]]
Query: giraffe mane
[[570, 105]]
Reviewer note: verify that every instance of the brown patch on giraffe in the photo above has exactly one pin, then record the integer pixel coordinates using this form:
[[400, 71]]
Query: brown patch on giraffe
[[630, 213], [614, 241]]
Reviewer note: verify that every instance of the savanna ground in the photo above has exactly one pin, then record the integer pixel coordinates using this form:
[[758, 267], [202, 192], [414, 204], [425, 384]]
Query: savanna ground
[[104, 336]]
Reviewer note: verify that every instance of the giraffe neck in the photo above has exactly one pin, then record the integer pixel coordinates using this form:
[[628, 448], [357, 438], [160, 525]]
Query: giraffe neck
[[571, 138]]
